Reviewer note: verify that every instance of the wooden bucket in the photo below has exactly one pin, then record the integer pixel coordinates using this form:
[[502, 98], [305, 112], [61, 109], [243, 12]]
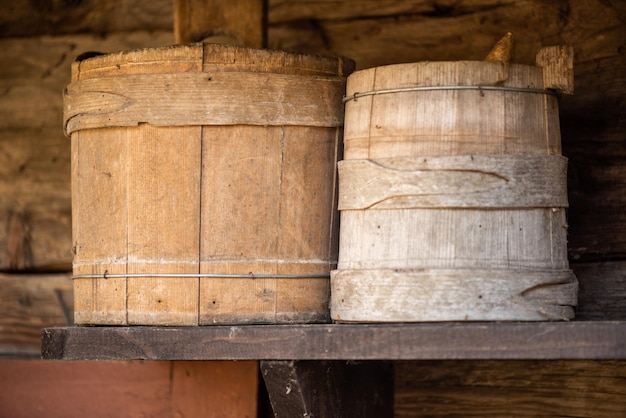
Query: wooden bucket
[[452, 194], [203, 185]]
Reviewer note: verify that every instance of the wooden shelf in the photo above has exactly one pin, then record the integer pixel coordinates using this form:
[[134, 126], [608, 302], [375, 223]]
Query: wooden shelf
[[589, 340]]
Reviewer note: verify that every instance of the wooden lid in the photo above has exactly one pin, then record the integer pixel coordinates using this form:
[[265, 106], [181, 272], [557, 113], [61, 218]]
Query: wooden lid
[[208, 58], [445, 74], [205, 84]]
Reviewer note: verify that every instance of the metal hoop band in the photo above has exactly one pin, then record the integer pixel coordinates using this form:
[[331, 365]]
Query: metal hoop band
[[356, 95]]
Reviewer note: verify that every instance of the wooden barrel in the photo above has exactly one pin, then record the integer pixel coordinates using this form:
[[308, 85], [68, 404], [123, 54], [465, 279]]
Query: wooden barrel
[[452, 196], [203, 185]]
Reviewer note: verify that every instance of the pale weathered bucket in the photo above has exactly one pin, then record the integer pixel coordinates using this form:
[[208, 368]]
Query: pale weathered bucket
[[452, 194], [203, 185]]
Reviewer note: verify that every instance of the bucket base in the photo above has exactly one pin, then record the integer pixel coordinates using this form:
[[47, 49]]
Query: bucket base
[[192, 301], [425, 295]]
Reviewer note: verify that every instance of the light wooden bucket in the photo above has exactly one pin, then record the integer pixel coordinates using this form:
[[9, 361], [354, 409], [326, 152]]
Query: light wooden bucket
[[452, 194], [203, 185]]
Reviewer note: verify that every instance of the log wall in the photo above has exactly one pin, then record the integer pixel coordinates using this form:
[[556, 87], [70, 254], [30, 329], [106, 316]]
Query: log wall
[[39, 39]]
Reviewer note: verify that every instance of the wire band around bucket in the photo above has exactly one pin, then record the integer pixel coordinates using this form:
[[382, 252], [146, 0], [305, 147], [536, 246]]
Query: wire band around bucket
[[356, 95], [107, 275]]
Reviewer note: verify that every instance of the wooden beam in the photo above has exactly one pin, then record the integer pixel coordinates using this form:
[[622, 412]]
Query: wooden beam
[[233, 22], [34, 18], [302, 10], [412, 31], [444, 341], [35, 301], [329, 388]]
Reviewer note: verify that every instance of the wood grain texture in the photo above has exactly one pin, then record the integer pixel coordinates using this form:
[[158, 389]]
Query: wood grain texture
[[412, 206], [264, 227], [467, 294], [214, 389], [105, 16], [161, 221], [471, 181], [35, 208], [238, 22], [329, 388], [245, 191], [597, 194], [592, 121], [34, 18], [414, 123], [394, 32], [245, 86], [602, 290], [35, 212], [558, 68], [198, 99], [503, 50], [496, 340], [294, 10], [510, 388], [127, 388], [28, 303], [379, 33], [32, 302], [142, 167], [98, 187]]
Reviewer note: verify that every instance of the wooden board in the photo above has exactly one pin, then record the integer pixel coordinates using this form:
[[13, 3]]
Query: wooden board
[[127, 388], [104, 16], [372, 32], [35, 212], [35, 218], [264, 230], [96, 16], [597, 195], [510, 388], [32, 302], [163, 165], [329, 388], [395, 32], [515, 340], [384, 33], [467, 181], [439, 294], [602, 290], [29, 303], [236, 22], [291, 10], [246, 99], [416, 31]]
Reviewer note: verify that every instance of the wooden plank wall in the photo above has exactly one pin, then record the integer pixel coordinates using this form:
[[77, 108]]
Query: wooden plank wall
[[35, 211], [35, 231], [371, 32], [39, 39], [159, 389], [29, 303], [510, 388]]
